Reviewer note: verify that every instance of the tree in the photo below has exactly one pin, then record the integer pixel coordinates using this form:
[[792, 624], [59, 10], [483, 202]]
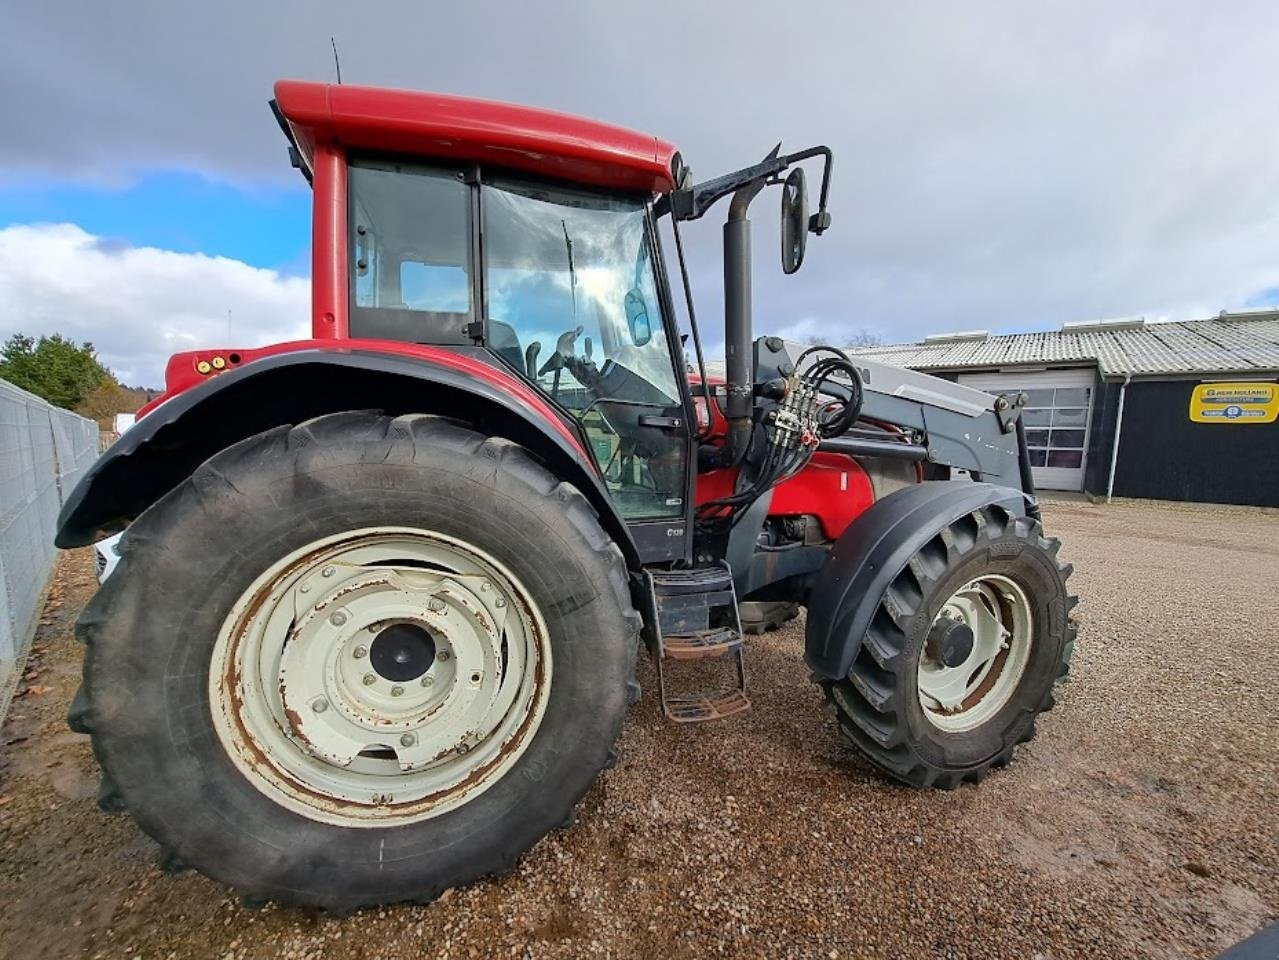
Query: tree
[[107, 399], [863, 338], [54, 368], [853, 340]]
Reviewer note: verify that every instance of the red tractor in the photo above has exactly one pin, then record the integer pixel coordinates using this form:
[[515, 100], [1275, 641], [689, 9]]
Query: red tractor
[[374, 627]]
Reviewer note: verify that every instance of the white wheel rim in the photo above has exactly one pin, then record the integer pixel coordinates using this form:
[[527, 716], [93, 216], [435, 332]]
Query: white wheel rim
[[463, 668], [967, 694]]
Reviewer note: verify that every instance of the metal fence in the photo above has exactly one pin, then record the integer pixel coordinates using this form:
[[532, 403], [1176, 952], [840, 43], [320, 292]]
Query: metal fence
[[44, 450]]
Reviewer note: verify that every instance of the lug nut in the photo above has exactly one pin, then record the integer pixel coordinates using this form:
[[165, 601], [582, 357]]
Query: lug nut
[[435, 605], [359, 653], [408, 740], [442, 656], [397, 691], [428, 680], [370, 679], [337, 618], [499, 603], [319, 704], [305, 588], [328, 571], [484, 587], [463, 748]]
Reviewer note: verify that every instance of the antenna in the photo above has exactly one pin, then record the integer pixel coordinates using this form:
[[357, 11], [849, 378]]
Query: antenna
[[337, 64]]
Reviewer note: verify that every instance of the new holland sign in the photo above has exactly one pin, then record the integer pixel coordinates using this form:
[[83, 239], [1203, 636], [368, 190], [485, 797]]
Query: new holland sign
[[1235, 403]]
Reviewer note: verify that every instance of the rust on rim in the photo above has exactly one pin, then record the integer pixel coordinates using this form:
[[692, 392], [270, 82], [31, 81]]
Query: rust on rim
[[306, 716], [964, 687]]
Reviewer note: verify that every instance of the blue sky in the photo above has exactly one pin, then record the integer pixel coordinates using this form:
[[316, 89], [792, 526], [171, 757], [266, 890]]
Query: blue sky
[[265, 225]]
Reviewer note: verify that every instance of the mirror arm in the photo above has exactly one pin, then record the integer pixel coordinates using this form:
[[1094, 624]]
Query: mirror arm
[[693, 202]]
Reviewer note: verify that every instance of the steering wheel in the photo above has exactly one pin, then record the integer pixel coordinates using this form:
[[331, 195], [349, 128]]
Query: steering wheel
[[565, 348], [565, 357]]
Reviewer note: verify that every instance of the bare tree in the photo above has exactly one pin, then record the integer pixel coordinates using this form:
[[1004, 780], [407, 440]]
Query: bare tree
[[855, 339]]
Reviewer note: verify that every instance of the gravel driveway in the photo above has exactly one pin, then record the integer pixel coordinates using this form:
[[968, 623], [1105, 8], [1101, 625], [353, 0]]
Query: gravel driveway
[[1140, 823]]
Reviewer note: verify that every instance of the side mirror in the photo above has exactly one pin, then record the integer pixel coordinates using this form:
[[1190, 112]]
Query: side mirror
[[794, 220], [637, 318]]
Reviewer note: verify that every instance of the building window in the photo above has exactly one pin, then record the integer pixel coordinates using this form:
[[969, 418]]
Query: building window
[[1056, 422]]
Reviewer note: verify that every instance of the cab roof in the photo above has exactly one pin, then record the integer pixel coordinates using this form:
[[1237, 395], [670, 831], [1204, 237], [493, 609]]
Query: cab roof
[[484, 131]]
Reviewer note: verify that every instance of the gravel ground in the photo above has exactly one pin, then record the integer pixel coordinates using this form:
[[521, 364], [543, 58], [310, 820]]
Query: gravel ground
[[1140, 823]]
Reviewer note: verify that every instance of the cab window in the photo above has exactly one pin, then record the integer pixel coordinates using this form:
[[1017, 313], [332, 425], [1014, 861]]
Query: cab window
[[410, 253]]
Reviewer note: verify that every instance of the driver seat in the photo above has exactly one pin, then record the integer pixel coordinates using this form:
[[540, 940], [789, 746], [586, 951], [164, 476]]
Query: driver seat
[[505, 342]]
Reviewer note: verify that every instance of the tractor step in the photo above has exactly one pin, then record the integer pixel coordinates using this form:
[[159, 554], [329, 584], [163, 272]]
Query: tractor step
[[702, 645], [715, 706], [698, 580], [695, 618]]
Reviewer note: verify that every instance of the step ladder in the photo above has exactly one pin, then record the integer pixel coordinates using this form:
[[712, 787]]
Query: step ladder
[[695, 619]]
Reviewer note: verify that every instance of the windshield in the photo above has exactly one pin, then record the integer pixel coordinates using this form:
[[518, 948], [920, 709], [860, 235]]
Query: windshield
[[565, 268], [571, 301]]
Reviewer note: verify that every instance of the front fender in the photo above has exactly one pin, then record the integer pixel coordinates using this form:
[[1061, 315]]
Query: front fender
[[166, 446], [870, 554]]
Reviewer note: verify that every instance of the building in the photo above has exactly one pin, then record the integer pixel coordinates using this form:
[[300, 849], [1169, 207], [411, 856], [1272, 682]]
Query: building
[[1170, 411]]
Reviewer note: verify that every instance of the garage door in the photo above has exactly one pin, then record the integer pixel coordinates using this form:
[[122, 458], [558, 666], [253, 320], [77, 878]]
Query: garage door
[[1058, 408]]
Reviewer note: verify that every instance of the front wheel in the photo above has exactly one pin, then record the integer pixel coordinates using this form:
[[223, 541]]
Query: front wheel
[[358, 661], [961, 654]]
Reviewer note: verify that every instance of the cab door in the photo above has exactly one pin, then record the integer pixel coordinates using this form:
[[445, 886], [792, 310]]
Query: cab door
[[572, 301]]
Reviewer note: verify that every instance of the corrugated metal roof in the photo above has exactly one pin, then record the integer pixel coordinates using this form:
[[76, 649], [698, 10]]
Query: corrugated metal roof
[[1230, 343]]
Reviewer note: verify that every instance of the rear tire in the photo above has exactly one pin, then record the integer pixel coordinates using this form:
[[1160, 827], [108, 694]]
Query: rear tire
[[933, 724], [191, 560]]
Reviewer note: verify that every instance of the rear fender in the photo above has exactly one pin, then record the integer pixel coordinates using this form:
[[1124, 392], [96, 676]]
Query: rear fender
[[168, 444], [870, 554]]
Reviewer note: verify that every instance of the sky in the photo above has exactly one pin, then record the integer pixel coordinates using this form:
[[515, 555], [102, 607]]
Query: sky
[[1001, 166]]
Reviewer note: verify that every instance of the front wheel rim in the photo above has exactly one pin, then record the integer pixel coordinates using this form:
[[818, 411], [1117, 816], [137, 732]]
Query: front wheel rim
[[960, 693], [380, 676]]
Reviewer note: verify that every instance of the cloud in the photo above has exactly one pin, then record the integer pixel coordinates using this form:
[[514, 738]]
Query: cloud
[[138, 305], [998, 165]]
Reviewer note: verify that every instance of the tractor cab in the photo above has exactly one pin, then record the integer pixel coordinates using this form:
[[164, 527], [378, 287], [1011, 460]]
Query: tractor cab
[[532, 236]]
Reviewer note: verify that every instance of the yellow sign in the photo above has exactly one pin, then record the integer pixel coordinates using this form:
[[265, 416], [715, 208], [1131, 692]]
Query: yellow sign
[[1235, 403]]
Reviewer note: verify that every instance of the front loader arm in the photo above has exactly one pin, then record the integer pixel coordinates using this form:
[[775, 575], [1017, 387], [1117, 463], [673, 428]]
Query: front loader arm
[[948, 424]]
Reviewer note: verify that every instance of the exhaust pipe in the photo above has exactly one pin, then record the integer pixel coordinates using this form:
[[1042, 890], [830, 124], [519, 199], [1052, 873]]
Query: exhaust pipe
[[738, 336]]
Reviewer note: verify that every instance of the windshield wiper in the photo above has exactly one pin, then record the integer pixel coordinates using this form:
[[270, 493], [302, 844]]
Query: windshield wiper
[[572, 273]]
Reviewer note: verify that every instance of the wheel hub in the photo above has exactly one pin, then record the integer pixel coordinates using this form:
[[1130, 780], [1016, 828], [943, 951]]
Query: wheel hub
[[402, 652], [379, 678], [950, 642]]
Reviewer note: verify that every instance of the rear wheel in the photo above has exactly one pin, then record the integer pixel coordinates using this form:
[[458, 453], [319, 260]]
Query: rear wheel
[[962, 653], [358, 661]]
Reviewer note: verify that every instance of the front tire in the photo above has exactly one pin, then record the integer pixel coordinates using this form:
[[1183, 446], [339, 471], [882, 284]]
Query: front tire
[[962, 653], [244, 713]]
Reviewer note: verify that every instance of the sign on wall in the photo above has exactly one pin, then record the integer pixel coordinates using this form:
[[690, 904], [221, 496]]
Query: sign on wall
[[1235, 403]]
